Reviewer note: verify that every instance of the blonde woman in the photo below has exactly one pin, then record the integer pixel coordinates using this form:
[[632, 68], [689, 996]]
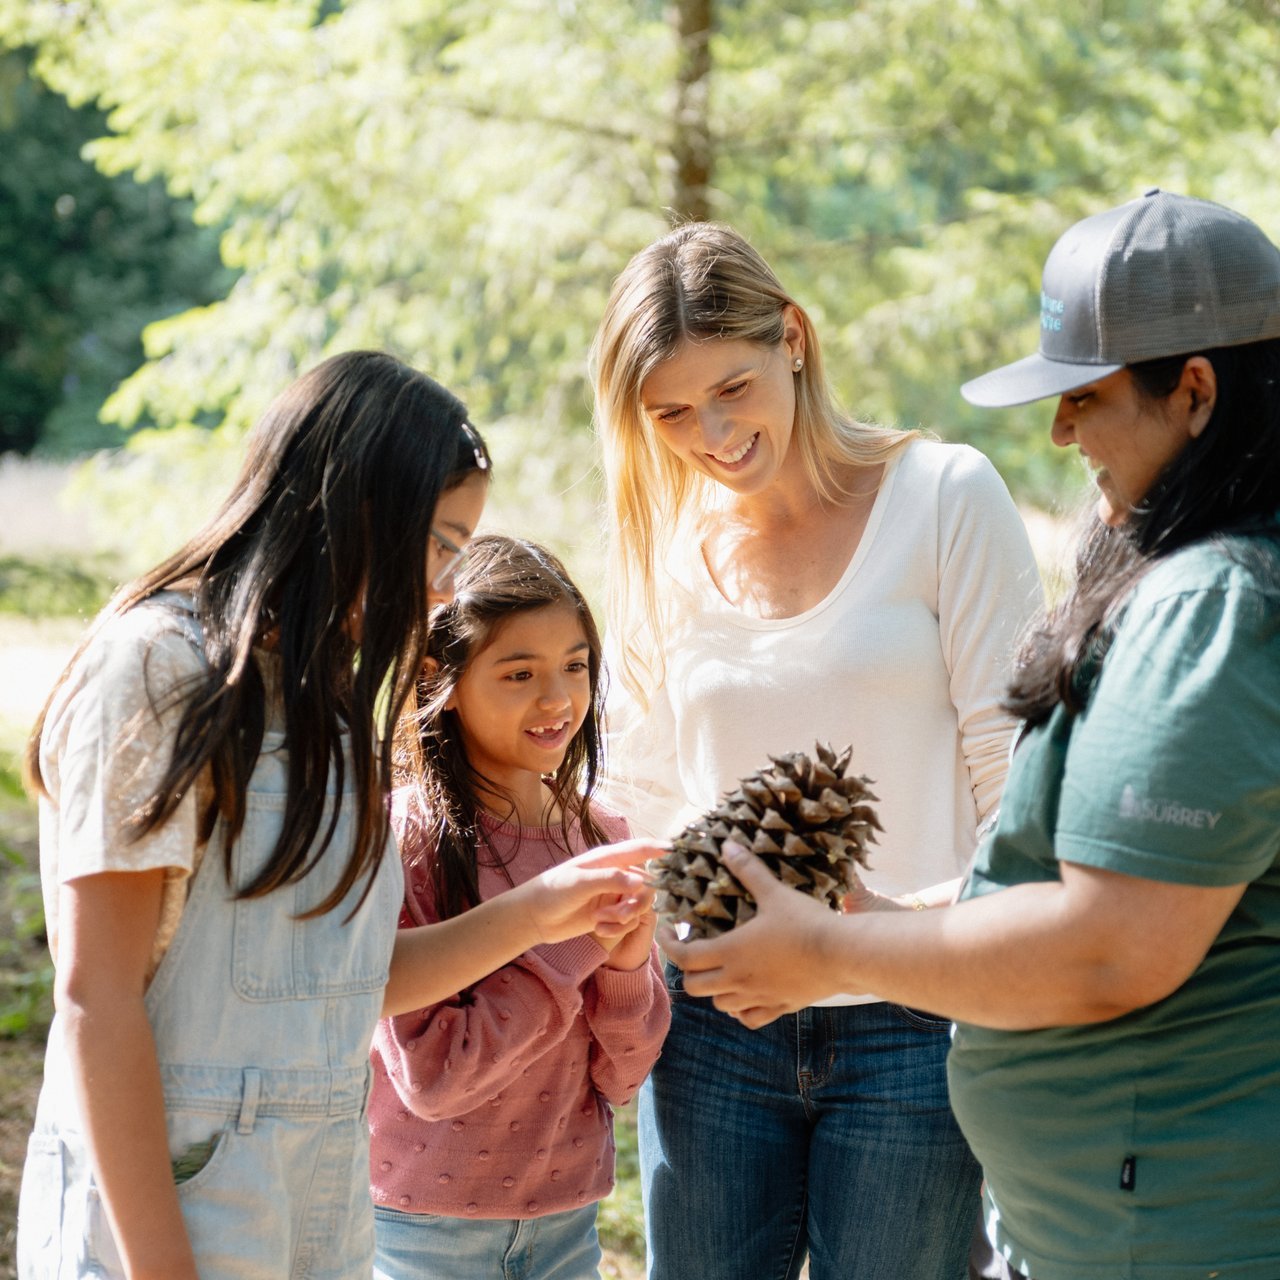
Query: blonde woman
[[782, 574]]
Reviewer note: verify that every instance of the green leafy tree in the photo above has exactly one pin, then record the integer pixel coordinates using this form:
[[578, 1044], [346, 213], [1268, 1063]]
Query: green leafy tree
[[460, 181], [85, 262]]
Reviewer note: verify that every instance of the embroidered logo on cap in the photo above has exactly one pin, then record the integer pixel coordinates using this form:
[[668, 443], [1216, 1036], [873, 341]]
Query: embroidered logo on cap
[[1051, 310]]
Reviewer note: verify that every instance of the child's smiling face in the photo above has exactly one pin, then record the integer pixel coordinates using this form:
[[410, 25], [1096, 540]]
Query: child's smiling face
[[524, 695]]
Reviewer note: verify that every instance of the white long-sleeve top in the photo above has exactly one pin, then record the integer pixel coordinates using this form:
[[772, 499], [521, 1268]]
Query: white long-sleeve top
[[907, 660]]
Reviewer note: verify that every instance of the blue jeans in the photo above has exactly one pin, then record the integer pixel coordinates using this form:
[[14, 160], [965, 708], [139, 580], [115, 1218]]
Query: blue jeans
[[424, 1246], [827, 1133]]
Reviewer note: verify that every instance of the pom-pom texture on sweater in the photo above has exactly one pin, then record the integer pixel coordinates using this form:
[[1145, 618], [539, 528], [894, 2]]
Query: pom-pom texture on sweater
[[496, 1103]]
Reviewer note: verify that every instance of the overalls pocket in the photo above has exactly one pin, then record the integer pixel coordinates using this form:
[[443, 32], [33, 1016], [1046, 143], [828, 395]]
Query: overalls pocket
[[198, 1160]]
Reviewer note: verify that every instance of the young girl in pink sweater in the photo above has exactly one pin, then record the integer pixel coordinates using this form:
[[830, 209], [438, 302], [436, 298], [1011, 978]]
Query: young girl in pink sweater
[[491, 1120]]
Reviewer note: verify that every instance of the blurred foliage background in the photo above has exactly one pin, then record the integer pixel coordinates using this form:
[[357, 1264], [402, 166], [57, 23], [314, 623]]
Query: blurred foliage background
[[201, 198], [459, 182], [86, 262]]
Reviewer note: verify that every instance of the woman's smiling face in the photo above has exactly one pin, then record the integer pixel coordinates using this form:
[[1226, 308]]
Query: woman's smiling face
[[726, 407], [1125, 438]]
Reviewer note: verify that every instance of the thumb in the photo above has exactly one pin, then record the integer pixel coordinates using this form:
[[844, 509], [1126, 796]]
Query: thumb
[[751, 871]]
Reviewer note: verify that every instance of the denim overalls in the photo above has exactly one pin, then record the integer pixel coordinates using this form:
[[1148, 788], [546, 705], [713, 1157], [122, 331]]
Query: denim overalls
[[263, 1025]]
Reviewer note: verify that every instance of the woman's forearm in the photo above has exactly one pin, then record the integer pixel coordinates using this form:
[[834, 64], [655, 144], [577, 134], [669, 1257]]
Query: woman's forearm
[[970, 962], [1090, 947], [1008, 964]]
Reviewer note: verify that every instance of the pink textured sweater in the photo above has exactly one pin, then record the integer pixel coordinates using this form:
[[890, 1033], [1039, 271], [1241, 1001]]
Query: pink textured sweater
[[496, 1102]]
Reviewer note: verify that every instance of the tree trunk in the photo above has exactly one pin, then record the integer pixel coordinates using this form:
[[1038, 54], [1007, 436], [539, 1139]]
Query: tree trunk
[[691, 145]]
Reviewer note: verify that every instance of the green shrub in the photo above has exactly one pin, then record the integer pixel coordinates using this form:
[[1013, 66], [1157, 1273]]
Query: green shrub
[[58, 587], [26, 972], [621, 1218]]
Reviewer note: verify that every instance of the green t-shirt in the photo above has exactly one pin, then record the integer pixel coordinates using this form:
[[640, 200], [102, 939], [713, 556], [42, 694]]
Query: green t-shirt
[[1149, 1145]]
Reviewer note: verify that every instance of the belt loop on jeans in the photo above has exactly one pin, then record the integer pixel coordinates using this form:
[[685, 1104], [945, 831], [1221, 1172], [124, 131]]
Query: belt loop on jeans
[[249, 1100]]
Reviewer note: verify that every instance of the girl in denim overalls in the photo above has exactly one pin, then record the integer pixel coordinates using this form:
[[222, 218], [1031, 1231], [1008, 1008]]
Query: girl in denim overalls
[[221, 908], [491, 1109]]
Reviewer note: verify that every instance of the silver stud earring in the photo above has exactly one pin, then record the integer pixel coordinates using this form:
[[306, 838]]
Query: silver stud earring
[[797, 364]]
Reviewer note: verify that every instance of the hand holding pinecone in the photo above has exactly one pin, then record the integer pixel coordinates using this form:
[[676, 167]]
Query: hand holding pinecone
[[808, 821]]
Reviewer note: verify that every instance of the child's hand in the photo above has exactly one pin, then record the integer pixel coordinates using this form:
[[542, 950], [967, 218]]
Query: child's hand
[[603, 892], [632, 949], [608, 942]]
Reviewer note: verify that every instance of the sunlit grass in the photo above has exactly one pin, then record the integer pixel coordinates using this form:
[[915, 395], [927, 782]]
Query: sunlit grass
[[621, 1220]]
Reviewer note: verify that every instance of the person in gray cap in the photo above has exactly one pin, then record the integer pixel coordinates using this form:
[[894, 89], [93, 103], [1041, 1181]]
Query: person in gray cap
[[1113, 965]]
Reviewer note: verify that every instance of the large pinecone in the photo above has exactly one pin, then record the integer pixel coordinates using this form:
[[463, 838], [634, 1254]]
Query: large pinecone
[[808, 821]]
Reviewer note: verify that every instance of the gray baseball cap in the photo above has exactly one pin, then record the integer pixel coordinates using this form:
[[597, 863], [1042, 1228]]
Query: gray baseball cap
[[1160, 276]]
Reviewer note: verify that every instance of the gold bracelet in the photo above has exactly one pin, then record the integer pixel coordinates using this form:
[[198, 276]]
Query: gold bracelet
[[917, 903]]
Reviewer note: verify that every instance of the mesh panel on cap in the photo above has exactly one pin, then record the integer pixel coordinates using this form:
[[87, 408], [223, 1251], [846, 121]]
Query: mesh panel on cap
[[1191, 276]]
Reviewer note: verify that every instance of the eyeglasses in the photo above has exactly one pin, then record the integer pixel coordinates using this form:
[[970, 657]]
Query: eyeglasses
[[454, 558]]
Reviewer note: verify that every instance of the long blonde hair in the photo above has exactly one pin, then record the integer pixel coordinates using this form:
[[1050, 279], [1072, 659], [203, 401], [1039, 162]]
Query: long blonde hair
[[700, 281]]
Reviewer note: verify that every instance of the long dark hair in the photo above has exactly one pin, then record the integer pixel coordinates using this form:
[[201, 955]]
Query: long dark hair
[[502, 577], [1225, 482], [329, 520]]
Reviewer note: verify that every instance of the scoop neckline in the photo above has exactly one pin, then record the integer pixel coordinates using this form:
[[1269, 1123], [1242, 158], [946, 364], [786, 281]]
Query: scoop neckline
[[856, 561]]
